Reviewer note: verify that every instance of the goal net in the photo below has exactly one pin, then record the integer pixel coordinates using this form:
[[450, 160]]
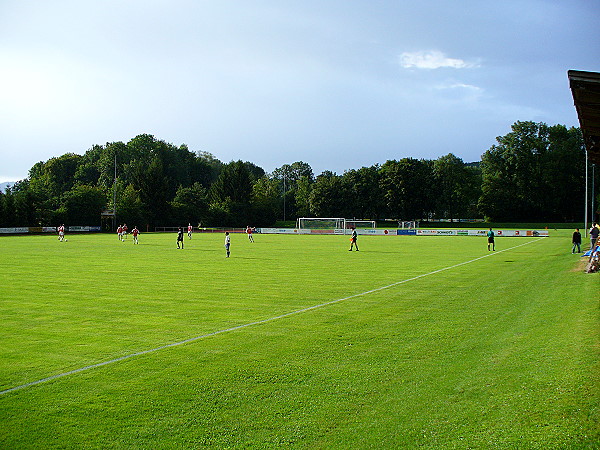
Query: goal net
[[360, 223], [321, 223], [408, 224]]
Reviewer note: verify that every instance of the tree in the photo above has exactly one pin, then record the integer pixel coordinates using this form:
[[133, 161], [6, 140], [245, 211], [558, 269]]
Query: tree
[[255, 171], [456, 190], [532, 174], [565, 172], [294, 172], [8, 219], [302, 196], [59, 173], [82, 205], [291, 177], [190, 205], [130, 208], [20, 200], [88, 169], [364, 193], [407, 187], [266, 201], [234, 183], [517, 160], [207, 168], [3, 210], [44, 189], [328, 196], [153, 187], [115, 153], [231, 194]]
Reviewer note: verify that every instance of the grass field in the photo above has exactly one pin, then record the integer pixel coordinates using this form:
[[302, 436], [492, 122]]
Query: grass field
[[428, 342]]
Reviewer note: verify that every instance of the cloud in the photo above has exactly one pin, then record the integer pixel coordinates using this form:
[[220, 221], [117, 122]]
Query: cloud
[[467, 87], [433, 59]]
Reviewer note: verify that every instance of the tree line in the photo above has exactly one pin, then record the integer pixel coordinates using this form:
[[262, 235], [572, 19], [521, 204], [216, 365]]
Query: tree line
[[534, 173]]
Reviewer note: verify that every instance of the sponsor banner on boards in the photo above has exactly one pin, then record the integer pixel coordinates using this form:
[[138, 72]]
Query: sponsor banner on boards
[[283, 231], [373, 232], [405, 232], [19, 230], [14, 230], [436, 232], [84, 229], [498, 233]]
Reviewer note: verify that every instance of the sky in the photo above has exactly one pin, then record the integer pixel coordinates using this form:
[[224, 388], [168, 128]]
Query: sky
[[338, 84]]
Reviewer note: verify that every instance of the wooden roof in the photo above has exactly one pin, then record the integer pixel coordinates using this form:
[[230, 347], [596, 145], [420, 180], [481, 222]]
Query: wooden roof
[[585, 87]]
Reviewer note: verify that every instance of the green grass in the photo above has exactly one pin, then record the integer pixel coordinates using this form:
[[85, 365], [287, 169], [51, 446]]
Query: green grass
[[502, 352]]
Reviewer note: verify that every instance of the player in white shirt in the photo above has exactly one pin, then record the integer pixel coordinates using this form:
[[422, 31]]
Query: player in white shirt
[[227, 242]]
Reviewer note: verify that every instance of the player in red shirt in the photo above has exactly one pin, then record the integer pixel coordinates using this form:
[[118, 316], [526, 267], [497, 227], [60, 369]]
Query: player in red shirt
[[61, 233], [135, 233], [120, 232], [249, 231], [190, 229]]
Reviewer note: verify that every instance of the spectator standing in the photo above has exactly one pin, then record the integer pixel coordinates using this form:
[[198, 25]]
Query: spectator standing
[[576, 240], [594, 232]]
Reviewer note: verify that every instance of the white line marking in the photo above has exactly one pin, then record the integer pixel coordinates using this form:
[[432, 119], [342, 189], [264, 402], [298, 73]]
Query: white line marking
[[258, 322]]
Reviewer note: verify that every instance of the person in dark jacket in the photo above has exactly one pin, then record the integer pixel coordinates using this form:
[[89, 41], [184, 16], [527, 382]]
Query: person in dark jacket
[[594, 232], [180, 237], [576, 241]]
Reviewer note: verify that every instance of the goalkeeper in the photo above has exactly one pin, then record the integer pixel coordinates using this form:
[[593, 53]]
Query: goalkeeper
[[353, 239]]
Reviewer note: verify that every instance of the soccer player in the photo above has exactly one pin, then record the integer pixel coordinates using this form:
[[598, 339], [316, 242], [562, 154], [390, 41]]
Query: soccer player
[[576, 241], [135, 233], [61, 233], [190, 229], [353, 239], [249, 231], [120, 232], [125, 231], [490, 236], [227, 243], [180, 237]]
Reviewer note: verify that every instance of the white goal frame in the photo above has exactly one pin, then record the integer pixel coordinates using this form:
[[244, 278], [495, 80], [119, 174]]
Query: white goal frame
[[408, 224], [360, 223], [337, 223]]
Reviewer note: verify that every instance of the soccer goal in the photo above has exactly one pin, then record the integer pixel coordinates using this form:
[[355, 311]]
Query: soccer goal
[[321, 223], [353, 223], [408, 224]]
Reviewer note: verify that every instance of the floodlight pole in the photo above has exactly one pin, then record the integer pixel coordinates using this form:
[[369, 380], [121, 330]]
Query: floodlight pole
[[585, 225], [593, 192], [115, 196]]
